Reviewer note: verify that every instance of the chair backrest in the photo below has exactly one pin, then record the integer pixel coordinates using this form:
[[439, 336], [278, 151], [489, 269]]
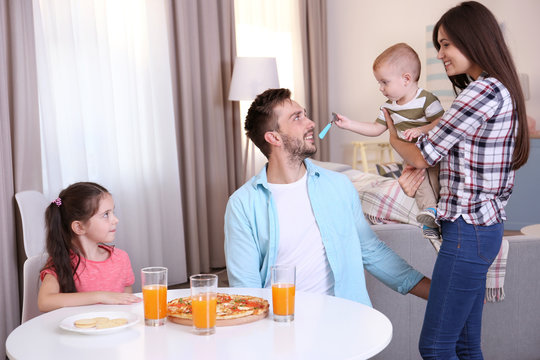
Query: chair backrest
[[31, 269], [32, 205]]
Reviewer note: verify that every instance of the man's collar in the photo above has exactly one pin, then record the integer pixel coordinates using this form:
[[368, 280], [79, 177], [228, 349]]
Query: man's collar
[[262, 178]]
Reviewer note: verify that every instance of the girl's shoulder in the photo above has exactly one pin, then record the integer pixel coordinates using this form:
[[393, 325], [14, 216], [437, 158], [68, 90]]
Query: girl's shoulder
[[114, 251], [119, 253]]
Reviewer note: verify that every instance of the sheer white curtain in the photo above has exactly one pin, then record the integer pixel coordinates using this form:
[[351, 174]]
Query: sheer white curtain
[[271, 28], [107, 116]]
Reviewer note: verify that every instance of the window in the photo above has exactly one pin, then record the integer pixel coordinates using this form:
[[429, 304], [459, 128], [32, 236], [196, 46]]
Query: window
[[270, 28]]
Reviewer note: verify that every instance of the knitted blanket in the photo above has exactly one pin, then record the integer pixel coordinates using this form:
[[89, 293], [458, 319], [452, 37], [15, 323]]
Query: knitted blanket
[[382, 199], [495, 275]]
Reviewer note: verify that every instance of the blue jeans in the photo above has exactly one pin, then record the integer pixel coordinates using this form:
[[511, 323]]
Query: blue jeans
[[453, 319]]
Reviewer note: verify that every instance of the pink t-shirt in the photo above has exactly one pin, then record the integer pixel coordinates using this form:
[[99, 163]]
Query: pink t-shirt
[[113, 274]]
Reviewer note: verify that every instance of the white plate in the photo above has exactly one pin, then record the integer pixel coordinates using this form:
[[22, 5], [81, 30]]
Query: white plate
[[68, 323]]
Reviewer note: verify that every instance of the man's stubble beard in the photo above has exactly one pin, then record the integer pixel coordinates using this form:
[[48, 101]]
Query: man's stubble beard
[[298, 152]]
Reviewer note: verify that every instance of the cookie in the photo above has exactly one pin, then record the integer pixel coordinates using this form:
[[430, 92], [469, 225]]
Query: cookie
[[120, 321], [111, 323], [101, 319], [85, 323]]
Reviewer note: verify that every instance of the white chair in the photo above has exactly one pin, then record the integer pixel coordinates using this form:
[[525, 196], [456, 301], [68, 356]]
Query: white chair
[[31, 269], [32, 205]]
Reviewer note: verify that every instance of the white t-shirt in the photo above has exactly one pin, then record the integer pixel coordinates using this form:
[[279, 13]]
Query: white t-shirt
[[300, 241]]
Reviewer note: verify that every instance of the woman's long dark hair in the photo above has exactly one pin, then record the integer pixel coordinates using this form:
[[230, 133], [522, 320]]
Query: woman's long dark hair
[[473, 29], [79, 202]]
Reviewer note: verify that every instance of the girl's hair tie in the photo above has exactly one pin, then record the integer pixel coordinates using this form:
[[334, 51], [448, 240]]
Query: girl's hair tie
[[58, 202]]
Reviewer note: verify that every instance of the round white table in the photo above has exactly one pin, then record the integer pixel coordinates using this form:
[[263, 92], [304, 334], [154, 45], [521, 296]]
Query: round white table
[[325, 327]]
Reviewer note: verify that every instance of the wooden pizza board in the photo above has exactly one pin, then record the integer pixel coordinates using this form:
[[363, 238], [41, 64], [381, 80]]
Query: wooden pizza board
[[224, 322]]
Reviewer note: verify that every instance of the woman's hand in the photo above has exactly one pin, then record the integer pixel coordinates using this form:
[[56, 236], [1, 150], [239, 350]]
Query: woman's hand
[[390, 123], [408, 151], [410, 180]]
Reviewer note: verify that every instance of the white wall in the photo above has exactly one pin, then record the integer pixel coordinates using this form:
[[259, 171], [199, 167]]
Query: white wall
[[359, 30]]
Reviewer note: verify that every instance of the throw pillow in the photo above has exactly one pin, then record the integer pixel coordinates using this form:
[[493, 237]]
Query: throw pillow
[[390, 170]]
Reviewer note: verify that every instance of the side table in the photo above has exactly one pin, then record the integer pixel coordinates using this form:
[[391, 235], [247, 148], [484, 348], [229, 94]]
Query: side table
[[531, 230]]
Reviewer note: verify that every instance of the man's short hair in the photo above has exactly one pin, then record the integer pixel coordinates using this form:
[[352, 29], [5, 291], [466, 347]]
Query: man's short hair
[[403, 57], [261, 117]]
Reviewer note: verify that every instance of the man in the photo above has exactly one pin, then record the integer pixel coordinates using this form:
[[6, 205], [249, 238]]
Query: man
[[294, 212]]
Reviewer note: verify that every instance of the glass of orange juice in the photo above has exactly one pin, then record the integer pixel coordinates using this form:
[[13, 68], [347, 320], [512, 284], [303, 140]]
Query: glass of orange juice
[[283, 288], [203, 303], [154, 289]]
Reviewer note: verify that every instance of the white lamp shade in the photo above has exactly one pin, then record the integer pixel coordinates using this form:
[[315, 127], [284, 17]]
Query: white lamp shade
[[252, 76]]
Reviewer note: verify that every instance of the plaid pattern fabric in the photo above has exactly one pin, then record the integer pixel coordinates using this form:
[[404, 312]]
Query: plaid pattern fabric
[[384, 202], [382, 199], [390, 170], [474, 142], [496, 274]]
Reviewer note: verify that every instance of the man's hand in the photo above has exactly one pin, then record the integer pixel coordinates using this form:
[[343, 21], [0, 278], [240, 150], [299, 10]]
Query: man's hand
[[422, 288], [410, 180]]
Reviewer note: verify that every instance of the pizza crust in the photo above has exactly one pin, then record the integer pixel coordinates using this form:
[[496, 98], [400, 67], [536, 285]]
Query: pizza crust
[[224, 322]]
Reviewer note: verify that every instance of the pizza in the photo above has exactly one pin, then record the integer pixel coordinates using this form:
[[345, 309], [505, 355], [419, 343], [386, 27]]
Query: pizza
[[230, 309]]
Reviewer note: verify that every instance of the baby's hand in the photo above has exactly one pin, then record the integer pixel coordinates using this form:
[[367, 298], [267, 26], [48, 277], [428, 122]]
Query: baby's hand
[[115, 298], [342, 122], [411, 134]]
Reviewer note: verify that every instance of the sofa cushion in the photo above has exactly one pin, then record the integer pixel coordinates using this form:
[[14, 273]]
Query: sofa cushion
[[391, 170]]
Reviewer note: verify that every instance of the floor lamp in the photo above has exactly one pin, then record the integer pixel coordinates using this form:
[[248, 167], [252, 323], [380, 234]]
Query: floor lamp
[[251, 76]]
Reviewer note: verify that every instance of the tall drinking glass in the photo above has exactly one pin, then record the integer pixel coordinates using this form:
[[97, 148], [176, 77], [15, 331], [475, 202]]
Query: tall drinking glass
[[154, 289], [203, 303], [283, 289]]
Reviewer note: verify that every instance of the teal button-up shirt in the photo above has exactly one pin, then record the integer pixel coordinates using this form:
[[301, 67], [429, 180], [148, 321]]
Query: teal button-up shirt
[[252, 237]]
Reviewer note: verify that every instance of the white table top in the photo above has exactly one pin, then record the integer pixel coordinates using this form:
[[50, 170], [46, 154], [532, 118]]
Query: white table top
[[325, 327]]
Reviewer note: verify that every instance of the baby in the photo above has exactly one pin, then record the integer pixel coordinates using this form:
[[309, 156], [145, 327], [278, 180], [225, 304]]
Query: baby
[[414, 111]]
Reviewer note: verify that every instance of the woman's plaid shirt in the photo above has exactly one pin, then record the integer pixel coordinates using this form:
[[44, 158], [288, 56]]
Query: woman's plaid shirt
[[474, 142]]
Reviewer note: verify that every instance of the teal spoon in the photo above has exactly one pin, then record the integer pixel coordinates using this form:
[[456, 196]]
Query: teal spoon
[[327, 127]]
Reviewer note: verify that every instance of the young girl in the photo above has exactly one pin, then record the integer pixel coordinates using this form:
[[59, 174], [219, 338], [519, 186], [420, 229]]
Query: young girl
[[82, 269], [479, 142]]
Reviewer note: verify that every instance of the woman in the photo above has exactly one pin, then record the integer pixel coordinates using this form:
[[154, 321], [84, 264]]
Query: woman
[[479, 142]]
